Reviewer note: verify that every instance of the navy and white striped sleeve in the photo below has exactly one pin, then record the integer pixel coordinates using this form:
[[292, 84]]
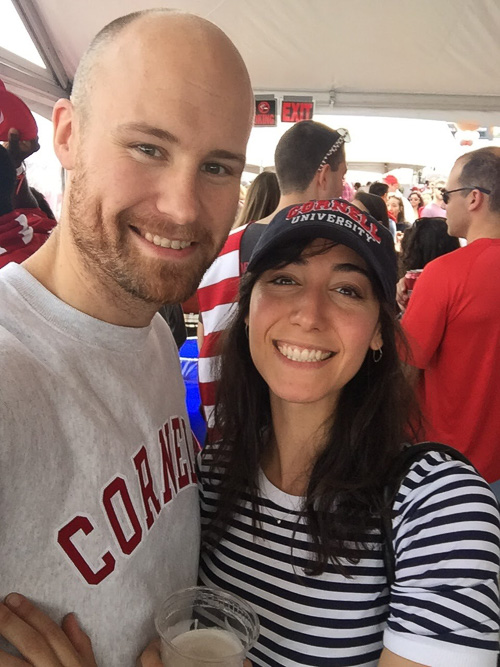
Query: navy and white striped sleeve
[[444, 603]]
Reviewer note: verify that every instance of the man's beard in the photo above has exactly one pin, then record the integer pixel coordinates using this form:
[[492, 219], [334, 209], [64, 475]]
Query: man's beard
[[109, 254]]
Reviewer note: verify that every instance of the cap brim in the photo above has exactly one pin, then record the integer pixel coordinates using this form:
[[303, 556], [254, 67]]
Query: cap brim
[[330, 232]]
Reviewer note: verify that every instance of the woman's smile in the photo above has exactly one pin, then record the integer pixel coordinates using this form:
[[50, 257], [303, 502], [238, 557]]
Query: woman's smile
[[302, 354]]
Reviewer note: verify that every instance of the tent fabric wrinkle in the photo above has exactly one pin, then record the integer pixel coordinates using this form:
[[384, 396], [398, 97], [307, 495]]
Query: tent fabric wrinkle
[[431, 56]]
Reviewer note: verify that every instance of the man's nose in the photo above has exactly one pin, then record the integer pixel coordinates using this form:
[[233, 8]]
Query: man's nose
[[178, 194]]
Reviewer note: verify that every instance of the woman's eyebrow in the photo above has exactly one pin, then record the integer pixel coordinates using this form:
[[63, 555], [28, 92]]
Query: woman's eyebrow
[[343, 267], [347, 267]]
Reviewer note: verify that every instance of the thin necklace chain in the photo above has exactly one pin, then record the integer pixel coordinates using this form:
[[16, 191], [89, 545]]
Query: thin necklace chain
[[269, 511]]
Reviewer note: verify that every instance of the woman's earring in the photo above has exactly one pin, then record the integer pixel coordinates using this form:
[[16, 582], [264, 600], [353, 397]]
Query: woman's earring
[[377, 355], [246, 330]]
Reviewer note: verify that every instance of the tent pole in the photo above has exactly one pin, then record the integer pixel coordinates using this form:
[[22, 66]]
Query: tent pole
[[38, 33]]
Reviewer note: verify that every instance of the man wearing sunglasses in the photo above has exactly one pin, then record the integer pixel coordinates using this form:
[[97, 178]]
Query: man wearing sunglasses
[[310, 164], [453, 319]]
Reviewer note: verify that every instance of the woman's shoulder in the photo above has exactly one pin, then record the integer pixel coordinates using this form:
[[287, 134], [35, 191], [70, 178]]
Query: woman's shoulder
[[439, 483], [446, 540]]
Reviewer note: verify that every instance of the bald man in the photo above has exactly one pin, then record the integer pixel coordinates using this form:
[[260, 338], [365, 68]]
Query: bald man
[[99, 508]]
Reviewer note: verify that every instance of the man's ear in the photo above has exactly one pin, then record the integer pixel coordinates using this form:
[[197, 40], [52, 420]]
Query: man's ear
[[322, 179], [476, 200], [65, 139]]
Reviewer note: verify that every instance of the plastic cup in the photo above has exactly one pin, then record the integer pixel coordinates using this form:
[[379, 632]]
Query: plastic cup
[[411, 278], [205, 627]]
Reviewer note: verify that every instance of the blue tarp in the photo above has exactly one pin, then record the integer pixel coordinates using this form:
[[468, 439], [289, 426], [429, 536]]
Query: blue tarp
[[189, 367]]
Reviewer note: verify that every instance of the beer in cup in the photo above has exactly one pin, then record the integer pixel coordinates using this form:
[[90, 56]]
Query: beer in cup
[[201, 627]]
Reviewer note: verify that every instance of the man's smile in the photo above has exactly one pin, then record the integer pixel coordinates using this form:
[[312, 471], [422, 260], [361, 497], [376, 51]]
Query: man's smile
[[162, 241]]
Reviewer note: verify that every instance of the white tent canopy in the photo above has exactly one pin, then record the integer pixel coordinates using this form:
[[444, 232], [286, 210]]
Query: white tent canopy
[[377, 144], [429, 59], [361, 61]]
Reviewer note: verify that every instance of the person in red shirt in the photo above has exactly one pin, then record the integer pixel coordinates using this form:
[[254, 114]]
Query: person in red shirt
[[24, 227], [452, 319]]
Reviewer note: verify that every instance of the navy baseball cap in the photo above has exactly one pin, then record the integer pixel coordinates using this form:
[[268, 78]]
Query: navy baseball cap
[[339, 221]]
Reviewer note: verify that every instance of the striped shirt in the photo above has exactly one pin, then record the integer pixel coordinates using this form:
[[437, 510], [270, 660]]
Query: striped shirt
[[217, 294], [443, 606]]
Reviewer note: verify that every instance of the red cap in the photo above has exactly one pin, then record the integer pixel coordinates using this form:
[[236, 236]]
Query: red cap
[[390, 180], [15, 114]]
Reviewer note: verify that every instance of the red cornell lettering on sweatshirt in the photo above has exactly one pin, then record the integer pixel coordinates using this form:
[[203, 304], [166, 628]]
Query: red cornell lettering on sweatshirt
[[130, 521], [149, 497]]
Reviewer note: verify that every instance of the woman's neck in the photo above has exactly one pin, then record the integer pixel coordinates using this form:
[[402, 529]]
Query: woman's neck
[[298, 437]]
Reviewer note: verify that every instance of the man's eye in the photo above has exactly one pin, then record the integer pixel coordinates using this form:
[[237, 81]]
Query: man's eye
[[149, 150], [215, 169]]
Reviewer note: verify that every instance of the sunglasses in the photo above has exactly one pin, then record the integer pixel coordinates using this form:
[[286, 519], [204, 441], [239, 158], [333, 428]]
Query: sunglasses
[[446, 193], [343, 138]]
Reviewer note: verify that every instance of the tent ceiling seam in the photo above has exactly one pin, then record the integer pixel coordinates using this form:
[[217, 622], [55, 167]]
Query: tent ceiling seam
[[38, 33]]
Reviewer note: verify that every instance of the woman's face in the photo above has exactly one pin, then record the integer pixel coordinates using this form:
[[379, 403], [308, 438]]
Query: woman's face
[[311, 324], [414, 201], [393, 206]]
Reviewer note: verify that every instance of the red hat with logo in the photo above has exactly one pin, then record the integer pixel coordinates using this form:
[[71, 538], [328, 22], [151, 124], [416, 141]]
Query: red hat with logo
[[391, 180], [15, 114]]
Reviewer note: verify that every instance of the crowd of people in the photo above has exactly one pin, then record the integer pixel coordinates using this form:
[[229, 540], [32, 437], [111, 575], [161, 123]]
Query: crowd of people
[[319, 374]]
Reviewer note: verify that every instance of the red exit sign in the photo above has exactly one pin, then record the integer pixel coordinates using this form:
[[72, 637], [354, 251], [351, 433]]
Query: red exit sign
[[294, 110]]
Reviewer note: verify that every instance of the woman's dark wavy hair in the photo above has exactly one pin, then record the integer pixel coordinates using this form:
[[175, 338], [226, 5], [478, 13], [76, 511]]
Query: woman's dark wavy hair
[[371, 421], [425, 240]]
